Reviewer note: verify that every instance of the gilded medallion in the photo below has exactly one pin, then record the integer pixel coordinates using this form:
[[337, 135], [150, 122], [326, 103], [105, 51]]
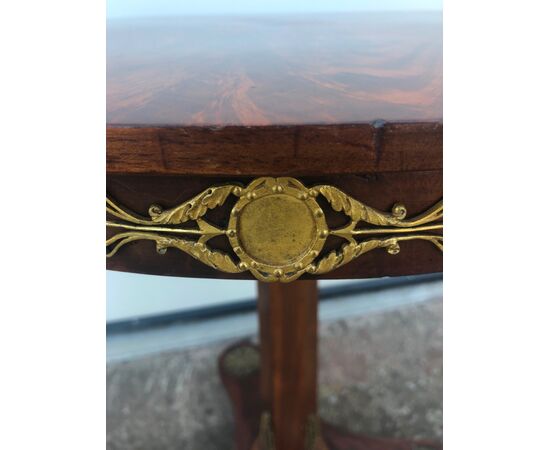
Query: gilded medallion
[[277, 229]]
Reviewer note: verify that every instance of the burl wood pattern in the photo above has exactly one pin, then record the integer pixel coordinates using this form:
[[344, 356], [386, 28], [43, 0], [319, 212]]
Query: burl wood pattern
[[350, 100], [261, 70]]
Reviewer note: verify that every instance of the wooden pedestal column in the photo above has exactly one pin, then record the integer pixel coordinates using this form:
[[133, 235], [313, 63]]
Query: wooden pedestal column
[[288, 346]]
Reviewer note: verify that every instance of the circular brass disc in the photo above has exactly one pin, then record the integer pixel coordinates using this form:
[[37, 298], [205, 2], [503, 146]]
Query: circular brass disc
[[276, 228]]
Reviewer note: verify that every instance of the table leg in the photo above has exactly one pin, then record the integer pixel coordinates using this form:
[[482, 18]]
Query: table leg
[[288, 349], [273, 390]]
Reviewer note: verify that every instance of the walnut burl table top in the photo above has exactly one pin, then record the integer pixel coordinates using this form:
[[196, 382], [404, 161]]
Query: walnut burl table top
[[275, 70], [352, 101]]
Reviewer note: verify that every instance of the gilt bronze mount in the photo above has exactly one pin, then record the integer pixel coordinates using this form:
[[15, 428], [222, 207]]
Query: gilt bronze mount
[[277, 229]]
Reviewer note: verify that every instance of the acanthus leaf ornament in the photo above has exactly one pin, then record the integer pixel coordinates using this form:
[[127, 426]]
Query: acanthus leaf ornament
[[277, 229]]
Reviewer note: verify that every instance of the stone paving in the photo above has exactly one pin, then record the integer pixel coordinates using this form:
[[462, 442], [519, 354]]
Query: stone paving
[[379, 374]]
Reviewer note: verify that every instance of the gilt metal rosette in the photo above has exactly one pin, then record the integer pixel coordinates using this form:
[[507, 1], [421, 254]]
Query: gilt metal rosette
[[276, 228]]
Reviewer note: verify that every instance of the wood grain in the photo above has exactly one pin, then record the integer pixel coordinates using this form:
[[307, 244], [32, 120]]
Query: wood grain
[[288, 352], [417, 190], [275, 69], [351, 100], [307, 150]]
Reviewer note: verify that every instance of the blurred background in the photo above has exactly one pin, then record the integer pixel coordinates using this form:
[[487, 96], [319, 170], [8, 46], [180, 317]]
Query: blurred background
[[380, 357]]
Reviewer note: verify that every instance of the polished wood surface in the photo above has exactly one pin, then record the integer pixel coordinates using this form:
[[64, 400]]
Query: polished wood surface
[[288, 353], [261, 70], [350, 100], [418, 190], [302, 150]]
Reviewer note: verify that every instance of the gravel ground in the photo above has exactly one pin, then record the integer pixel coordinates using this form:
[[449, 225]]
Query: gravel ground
[[379, 374]]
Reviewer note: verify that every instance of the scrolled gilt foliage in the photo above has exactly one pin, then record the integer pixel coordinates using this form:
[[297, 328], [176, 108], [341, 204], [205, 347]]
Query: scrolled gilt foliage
[[194, 208], [355, 209], [190, 210], [297, 237], [349, 252]]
